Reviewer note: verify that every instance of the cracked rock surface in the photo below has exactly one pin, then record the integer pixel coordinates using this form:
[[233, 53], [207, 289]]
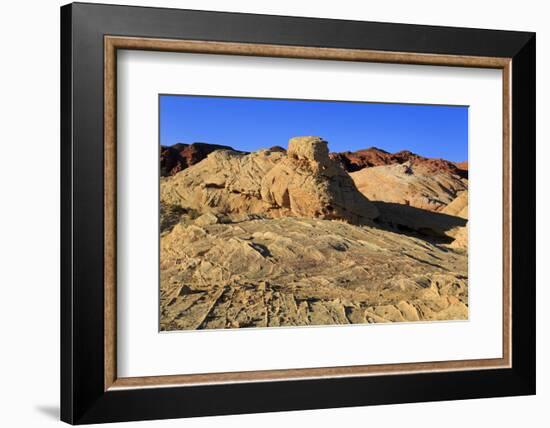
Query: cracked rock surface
[[286, 238], [301, 271]]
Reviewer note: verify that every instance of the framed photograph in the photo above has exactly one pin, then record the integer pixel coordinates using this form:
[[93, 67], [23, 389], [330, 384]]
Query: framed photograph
[[266, 213]]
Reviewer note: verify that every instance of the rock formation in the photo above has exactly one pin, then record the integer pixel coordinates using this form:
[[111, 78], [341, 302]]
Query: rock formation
[[176, 158], [460, 238], [299, 271], [355, 161], [459, 206], [300, 182], [463, 166], [248, 239], [308, 183], [373, 156], [422, 184], [226, 182]]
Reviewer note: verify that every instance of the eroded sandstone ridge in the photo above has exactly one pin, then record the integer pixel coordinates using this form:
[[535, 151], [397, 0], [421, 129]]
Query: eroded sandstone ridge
[[284, 238], [426, 184], [459, 206], [288, 271], [303, 182], [308, 183]]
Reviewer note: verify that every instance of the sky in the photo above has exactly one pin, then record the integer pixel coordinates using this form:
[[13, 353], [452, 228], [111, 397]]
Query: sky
[[249, 124]]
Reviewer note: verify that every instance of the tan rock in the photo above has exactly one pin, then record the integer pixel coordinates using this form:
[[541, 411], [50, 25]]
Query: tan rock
[[247, 241], [226, 182], [299, 271], [460, 235], [308, 183], [408, 311], [311, 148], [410, 183], [206, 219], [459, 206], [302, 182]]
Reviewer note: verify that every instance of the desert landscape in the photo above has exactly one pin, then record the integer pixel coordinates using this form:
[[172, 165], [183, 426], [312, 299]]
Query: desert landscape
[[298, 235]]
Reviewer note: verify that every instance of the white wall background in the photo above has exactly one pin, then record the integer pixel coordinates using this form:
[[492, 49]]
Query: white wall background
[[29, 213]]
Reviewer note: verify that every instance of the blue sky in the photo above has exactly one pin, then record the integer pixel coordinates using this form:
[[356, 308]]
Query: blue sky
[[249, 124]]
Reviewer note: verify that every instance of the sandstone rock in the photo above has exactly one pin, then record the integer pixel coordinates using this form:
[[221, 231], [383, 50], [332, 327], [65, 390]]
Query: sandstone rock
[[176, 158], [419, 184], [299, 271], [373, 156], [313, 149], [308, 183], [226, 182], [301, 182], [458, 206], [206, 219], [247, 240], [355, 161], [460, 235], [463, 166], [438, 227]]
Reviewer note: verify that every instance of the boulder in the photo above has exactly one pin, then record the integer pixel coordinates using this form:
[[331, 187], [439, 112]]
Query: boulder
[[307, 183], [206, 220]]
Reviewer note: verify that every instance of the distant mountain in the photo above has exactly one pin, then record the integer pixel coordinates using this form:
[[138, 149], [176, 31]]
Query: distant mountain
[[373, 156], [180, 156]]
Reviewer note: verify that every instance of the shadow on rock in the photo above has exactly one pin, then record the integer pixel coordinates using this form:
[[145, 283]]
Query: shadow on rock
[[431, 225]]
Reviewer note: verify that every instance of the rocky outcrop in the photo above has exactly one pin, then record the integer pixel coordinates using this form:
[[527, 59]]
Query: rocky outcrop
[[307, 183], [356, 161], [460, 238], [463, 166], [178, 157], [247, 240], [459, 206], [299, 271], [302, 182], [226, 182], [425, 184]]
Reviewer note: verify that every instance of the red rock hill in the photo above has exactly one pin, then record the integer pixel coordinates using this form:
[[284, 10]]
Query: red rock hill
[[355, 161], [180, 156]]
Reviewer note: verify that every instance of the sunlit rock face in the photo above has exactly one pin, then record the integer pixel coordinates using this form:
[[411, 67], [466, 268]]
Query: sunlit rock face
[[309, 184], [303, 182], [289, 238]]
